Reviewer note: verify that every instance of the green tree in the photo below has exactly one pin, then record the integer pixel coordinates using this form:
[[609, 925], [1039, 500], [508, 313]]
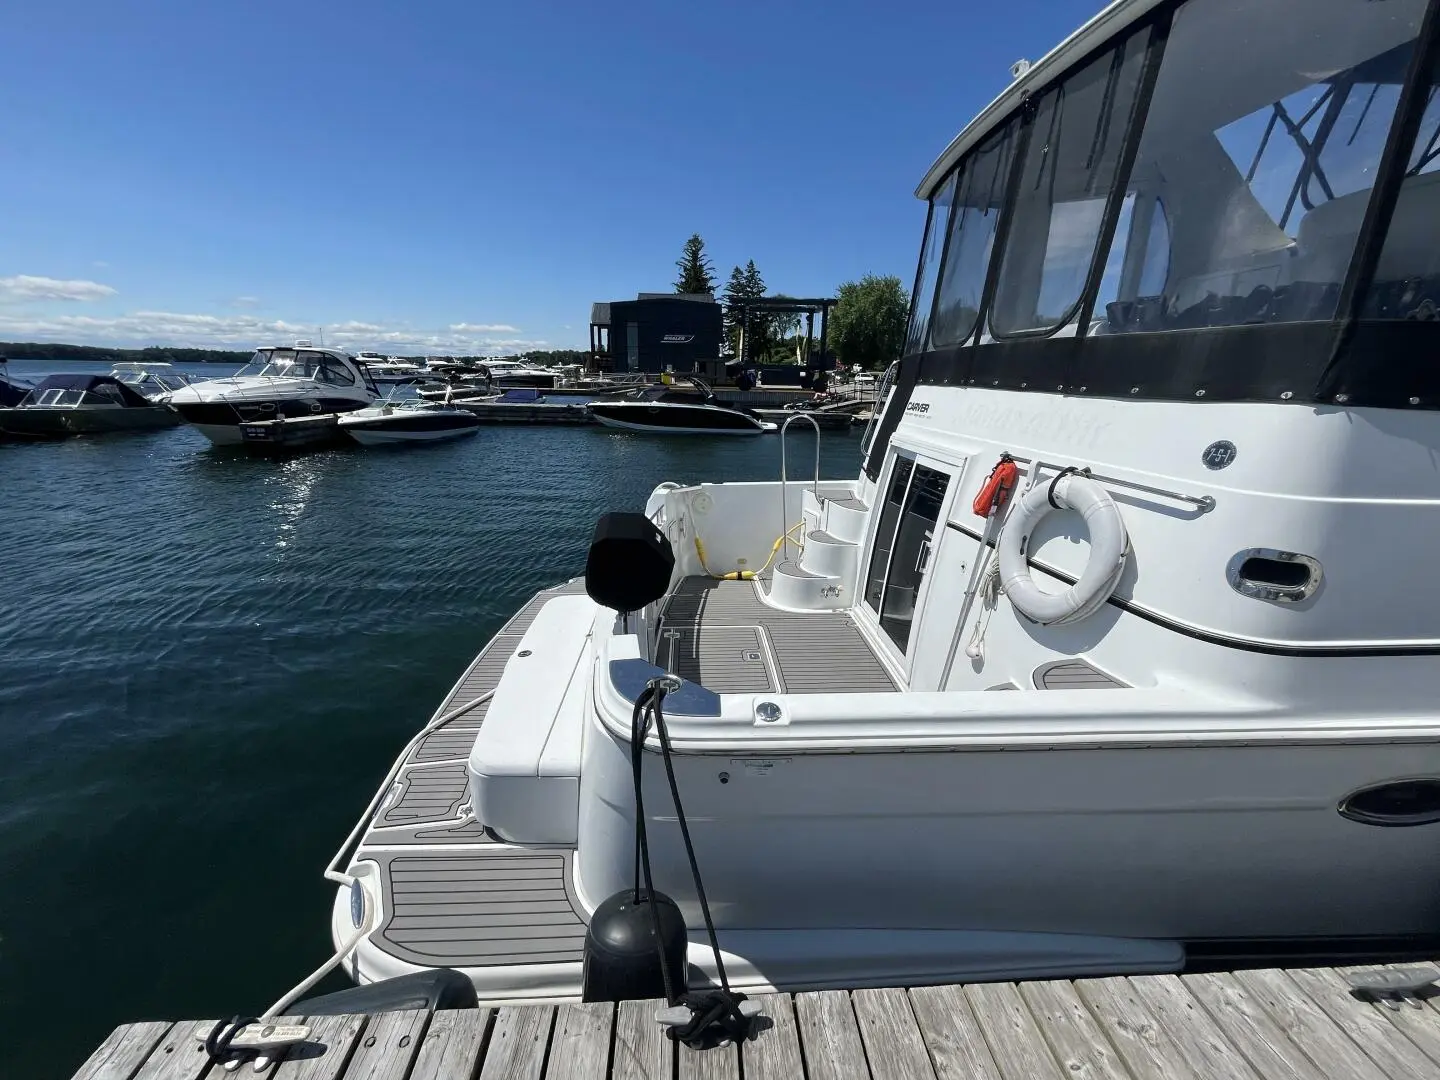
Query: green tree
[[867, 324], [697, 273], [744, 285]]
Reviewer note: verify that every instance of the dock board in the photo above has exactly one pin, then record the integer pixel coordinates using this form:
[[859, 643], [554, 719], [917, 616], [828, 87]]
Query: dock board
[[1248, 1025]]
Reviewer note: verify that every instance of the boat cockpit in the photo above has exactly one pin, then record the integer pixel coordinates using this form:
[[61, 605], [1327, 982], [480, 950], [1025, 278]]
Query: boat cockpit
[[318, 365]]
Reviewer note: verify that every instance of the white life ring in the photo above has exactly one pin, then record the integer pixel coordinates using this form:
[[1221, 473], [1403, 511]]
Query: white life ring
[[1109, 547]]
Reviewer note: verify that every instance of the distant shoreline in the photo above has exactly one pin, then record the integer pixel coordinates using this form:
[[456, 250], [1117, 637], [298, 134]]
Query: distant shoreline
[[47, 352]]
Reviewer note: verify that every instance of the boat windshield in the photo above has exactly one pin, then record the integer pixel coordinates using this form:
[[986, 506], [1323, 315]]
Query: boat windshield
[[153, 382], [298, 364]]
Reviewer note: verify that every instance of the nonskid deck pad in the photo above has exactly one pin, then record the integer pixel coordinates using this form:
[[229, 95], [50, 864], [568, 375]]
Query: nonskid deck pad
[[812, 652]]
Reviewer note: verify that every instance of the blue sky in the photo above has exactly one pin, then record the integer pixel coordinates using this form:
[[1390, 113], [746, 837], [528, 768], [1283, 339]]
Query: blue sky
[[449, 176]]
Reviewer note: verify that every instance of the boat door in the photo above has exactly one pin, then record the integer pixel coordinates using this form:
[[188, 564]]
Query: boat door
[[916, 505]]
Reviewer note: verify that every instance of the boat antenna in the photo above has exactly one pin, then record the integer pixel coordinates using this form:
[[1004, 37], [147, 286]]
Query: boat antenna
[[322, 337]]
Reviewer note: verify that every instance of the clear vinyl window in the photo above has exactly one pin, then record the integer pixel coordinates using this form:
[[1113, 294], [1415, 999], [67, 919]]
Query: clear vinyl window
[[1261, 143], [1065, 180]]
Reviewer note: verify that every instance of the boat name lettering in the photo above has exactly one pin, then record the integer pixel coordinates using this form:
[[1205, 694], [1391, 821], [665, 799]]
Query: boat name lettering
[[678, 339], [918, 407], [758, 766]]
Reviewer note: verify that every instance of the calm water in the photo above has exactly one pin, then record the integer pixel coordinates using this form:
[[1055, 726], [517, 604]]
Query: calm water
[[207, 663]]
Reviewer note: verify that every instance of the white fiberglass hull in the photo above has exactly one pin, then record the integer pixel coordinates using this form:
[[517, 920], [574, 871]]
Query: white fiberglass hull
[[1216, 842], [668, 429], [380, 437]]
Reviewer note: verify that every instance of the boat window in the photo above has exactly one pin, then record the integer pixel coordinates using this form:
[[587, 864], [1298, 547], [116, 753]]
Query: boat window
[[331, 370], [1070, 167], [930, 252], [62, 397], [1147, 232], [910, 556], [885, 531], [1407, 277], [1261, 143], [980, 196]]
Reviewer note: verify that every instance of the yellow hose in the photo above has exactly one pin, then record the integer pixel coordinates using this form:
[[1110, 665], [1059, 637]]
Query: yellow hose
[[742, 575]]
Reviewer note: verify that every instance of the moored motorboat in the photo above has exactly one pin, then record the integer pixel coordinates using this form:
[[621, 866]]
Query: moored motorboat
[[392, 369], [668, 409], [278, 383], [71, 404], [1088, 670], [11, 391], [407, 421]]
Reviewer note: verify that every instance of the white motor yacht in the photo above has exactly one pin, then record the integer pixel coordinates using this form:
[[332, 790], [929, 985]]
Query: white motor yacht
[[391, 369], [279, 381], [514, 375], [1115, 653]]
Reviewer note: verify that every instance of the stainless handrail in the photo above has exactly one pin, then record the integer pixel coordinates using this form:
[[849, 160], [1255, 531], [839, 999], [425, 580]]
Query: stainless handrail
[[784, 484], [1206, 503]]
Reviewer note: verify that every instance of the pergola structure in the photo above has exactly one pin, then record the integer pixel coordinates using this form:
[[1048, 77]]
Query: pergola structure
[[786, 305]]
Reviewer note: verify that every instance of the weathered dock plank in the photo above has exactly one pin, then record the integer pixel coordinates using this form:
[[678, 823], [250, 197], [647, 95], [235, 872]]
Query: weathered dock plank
[[1250, 1029], [831, 1036], [388, 1046], [1383, 1042], [1076, 1040], [894, 1047], [1011, 1032], [952, 1035], [580, 1047], [453, 1044], [1201, 1043], [332, 1042], [122, 1053], [774, 1052], [1418, 1023], [1302, 1024], [718, 1063], [178, 1056], [1305, 1024], [642, 1051], [518, 1044], [1148, 1052]]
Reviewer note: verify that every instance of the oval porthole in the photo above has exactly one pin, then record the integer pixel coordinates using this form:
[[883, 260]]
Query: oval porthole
[[1395, 803]]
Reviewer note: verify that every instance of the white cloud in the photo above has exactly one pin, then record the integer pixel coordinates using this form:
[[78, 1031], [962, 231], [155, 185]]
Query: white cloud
[[31, 287], [245, 302], [100, 264], [482, 328], [245, 331]]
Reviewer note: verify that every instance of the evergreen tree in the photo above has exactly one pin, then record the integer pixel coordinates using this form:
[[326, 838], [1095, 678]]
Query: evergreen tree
[[734, 293], [746, 284], [697, 273]]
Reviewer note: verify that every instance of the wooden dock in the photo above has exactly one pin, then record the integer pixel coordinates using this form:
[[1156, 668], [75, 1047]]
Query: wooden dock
[[1243, 1025], [293, 433]]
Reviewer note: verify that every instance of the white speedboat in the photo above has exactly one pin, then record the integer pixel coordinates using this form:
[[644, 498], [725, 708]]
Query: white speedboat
[[391, 369], [673, 410], [513, 375], [1116, 653], [279, 381], [156, 381], [407, 421]]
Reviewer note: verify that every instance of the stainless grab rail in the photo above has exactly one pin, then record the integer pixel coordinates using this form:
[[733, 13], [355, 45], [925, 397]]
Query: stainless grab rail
[[1205, 503], [784, 484]]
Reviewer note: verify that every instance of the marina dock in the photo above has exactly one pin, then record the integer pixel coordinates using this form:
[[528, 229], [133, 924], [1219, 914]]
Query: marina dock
[[1241, 1025]]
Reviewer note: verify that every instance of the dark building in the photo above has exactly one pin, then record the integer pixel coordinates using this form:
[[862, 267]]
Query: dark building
[[655, 332]]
